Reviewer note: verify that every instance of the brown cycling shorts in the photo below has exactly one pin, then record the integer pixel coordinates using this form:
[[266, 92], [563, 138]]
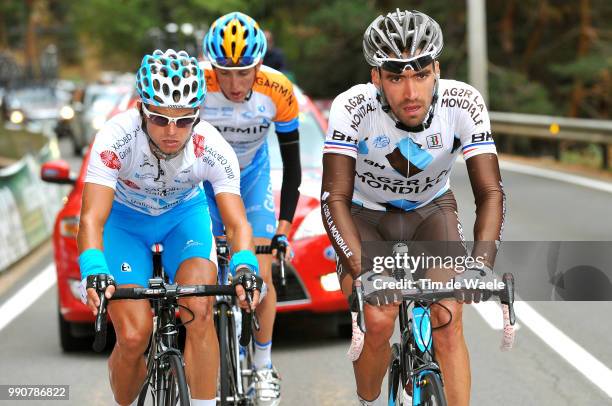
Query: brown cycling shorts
[[436, 226]]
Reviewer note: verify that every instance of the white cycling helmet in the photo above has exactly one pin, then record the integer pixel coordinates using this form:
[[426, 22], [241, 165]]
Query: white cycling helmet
[[170, 79]]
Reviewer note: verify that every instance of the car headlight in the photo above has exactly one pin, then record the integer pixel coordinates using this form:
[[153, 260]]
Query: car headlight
[[330, 283], [69, 227], [17, 117], [311, 226], [67, 113], [98, 122]]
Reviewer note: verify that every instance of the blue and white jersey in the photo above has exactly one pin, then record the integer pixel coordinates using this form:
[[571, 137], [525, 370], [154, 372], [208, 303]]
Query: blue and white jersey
[[404, 169], [122, 159]]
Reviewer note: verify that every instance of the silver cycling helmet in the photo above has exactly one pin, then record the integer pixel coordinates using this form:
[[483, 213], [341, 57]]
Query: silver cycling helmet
[[402, 36], [404, 40]]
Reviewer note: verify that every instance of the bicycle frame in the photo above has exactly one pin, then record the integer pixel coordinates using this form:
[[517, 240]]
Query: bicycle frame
[[164, 338], [416, 346], [223, 273]]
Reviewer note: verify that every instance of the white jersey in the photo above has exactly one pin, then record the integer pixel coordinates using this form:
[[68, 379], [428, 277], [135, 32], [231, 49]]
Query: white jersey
[[404, 169], [122, 159]]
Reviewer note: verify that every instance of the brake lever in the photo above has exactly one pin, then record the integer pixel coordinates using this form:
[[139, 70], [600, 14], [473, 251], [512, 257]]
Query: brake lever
[[360, 303], [249, 300]]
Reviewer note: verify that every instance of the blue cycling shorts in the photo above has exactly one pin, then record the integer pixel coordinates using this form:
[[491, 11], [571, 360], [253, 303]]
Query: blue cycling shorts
[[256, 192], [185, 232]]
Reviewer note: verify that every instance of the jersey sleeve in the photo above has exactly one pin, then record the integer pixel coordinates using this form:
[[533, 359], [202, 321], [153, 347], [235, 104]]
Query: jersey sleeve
[[216, 160], [286, 119], [104, 161], [342, 132], [474, 127]]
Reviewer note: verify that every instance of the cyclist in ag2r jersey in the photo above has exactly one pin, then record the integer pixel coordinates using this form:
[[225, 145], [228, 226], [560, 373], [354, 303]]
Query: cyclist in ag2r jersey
[[390, 147], [143, 187], [244, 99]]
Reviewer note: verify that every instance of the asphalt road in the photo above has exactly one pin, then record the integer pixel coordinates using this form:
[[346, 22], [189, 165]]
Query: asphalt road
[[311, 358]]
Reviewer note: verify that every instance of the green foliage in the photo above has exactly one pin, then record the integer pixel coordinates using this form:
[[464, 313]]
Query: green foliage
[[331, 57], [513, 91], [538, 59]]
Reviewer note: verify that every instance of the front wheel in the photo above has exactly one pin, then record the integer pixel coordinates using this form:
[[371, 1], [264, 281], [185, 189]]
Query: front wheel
[[177, 393], [166, 385], [428, 391], [227, 365], [394, 378]]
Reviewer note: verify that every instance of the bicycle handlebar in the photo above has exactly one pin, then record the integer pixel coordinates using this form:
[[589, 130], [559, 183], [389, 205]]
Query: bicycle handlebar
[[506, 297], [160, 290]]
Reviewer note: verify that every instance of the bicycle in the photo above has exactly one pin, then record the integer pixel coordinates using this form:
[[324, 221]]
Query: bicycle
[[165, 384], [236, 383], [413, 370]]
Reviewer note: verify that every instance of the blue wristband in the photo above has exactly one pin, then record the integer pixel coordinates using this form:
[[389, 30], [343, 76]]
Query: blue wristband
[[244, 257], [92, 262]]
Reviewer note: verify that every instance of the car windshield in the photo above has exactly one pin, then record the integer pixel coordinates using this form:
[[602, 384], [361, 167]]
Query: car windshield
[[311, 143], [35, 95]]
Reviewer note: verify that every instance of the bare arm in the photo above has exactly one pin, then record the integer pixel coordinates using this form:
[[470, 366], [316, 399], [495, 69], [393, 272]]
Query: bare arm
[[97, 203], [233, 215]]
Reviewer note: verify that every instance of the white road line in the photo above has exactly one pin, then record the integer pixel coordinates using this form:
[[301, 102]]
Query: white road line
[[27, 295], [589, 366], [491, 312]]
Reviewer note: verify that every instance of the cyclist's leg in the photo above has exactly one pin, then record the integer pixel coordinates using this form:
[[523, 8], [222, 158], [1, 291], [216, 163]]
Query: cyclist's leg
[[442, 224], [129, 260], [190, 247], [371, 366], [256, 190]]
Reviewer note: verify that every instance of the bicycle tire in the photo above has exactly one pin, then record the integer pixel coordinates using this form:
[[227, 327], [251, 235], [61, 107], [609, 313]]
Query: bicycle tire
[[177, 392], [394, 389], [431, 390], [225, 354]]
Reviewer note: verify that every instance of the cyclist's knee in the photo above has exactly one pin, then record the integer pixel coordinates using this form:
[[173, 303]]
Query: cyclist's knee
[[450, 336], [133, 340], [380, 323], [202, 316]]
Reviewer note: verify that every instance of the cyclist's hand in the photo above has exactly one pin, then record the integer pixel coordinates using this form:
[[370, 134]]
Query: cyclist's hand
[[281, 242], [470, 280], [248, 286], [89, 292]]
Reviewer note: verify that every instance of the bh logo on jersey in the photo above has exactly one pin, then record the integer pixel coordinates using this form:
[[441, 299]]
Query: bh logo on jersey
[[434, 141], [125, 267]]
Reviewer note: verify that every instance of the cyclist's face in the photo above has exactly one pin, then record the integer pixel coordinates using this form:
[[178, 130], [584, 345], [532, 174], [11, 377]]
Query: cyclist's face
[[169, 138], [409, 93], [236, 83]]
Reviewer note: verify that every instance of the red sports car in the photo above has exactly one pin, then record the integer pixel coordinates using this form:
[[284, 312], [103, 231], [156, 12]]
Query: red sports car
[[312, 285]]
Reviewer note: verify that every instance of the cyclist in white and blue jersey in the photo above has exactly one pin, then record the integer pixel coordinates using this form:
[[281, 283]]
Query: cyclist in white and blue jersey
[[143, 186]]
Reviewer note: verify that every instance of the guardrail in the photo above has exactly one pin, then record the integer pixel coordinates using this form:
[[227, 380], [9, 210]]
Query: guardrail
[[555, 130]]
